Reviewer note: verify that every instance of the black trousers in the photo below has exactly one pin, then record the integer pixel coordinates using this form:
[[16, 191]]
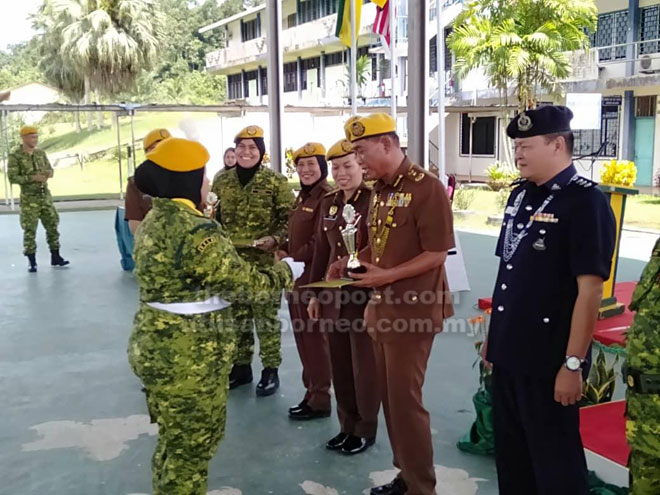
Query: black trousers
[[538, 448]]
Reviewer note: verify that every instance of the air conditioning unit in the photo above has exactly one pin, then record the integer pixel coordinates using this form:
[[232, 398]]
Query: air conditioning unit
[[648, 64]]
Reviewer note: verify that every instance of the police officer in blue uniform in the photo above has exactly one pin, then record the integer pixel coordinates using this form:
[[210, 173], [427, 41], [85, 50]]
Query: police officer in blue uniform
[[555, 251]]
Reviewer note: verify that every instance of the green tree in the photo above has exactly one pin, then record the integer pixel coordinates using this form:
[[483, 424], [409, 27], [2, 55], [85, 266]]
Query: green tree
[[521, 44], [106, 42]]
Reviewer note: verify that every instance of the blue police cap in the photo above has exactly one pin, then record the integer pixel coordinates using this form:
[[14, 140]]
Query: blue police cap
[[550, 119]]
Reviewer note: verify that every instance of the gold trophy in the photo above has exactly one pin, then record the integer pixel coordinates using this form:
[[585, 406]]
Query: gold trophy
[[350, 235]]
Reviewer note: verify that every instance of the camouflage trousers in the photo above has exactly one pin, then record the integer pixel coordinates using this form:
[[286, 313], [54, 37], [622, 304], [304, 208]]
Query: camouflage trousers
[[37, 206], [269, 331], [643, 434], [184, 364]]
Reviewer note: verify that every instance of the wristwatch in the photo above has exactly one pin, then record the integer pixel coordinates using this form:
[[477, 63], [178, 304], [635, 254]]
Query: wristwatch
[[573, 363]]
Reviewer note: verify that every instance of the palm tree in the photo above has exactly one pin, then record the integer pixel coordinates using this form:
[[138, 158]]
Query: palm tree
[[521, 43], [106, 43]]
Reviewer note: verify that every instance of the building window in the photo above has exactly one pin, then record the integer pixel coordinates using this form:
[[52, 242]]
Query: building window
[[483, 137], [611, 30], [645, 106], [250, 29], [291, 20], [264, 81], [249, 76], [308, 64], [588, 141], [336, 58], [649, 28], [234, 87], [374, 67], [291, 77], [433, 53]]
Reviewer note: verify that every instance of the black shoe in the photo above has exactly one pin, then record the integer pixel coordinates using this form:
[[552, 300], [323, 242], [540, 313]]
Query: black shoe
[[335, 443], [298, 407], [396, 487], [241, 374], [32, 259], [306, 412], [56, 259], [356, 445], [269, 382]]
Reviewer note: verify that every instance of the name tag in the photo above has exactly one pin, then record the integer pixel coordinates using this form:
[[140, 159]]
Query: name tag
[[308, 210], [263, 191]]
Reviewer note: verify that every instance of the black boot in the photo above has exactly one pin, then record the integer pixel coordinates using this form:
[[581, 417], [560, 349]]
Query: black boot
[[56, 259], [32, 259], [396, 487], [241, 374], [269, 382]]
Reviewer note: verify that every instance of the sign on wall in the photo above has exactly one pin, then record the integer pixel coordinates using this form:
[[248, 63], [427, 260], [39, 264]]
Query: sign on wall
[[586, 109]]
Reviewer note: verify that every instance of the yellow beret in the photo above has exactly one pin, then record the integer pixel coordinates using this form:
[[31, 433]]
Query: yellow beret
[[373, 124], [250, 132], [179, 155], [29, 129], [341, 148], [155, 136], [309, 149]]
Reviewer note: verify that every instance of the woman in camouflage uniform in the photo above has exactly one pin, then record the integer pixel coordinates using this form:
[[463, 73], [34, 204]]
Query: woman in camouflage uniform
[[253, 209], [182, 344]]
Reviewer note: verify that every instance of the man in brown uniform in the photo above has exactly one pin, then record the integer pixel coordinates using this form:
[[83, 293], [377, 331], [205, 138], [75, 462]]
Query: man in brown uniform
[[351, 350], [312, 343], [410, 232], [138, 204]]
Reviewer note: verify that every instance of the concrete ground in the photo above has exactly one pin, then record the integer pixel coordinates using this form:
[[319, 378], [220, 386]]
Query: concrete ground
[[75, 421]]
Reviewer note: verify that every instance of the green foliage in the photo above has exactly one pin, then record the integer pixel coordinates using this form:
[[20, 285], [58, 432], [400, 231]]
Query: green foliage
[[599, 386], [521, 42], [19, 65], [501, 175], [290, 166], [362, 67], [463, 198]]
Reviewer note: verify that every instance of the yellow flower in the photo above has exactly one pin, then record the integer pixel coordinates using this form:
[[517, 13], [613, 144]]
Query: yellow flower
[[619, 173]]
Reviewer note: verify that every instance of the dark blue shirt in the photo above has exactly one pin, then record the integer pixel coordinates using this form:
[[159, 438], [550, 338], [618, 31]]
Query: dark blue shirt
[[551, 234]]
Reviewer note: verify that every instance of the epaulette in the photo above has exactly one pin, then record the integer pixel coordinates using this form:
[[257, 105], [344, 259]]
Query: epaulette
[[580, 181], [330, 193], [518, 182]]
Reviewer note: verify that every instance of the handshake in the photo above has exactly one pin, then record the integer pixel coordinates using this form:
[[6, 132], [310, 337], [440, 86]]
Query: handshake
[[297, 267]]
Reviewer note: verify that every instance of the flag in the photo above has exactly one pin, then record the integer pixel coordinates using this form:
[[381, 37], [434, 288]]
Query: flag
[[343, 31], [382, 22]]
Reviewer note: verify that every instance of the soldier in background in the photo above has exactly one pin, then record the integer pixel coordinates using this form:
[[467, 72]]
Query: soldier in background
[[642, 374], [29, 167], [189, 276], [254, 205], [137, 203]]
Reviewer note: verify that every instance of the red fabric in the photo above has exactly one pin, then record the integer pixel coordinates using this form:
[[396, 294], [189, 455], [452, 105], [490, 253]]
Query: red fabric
[[485, 303], [382, 22], [603, 430], [612, 331]]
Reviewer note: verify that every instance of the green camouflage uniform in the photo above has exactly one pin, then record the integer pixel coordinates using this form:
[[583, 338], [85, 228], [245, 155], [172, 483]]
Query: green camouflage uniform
[[36, 201], [184, 360], [259, 209], [643, 355]]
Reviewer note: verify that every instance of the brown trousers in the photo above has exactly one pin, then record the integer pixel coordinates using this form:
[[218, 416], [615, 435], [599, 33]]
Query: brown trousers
[[354, 374], [314, 354], [401, 366]]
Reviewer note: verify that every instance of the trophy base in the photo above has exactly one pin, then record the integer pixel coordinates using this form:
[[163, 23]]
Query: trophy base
[[357, 269]]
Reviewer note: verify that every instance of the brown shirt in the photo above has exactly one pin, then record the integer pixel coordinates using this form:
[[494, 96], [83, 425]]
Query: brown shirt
[[330, 245], [302, 227], [407, 217], [137, 203]]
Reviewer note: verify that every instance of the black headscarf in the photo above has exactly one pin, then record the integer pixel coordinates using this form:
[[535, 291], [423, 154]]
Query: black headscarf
[[245, 174], [161, 183], [323, 165]]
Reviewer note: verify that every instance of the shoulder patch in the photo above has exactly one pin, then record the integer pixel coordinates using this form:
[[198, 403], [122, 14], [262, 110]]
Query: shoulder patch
[[206, 243]]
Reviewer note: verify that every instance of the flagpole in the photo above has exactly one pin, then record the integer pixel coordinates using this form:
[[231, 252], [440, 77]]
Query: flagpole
[[440, 51], [392, 20], [353, 60]]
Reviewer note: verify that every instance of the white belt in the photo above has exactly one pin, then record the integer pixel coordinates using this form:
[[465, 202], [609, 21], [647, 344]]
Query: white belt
[[214, 303]]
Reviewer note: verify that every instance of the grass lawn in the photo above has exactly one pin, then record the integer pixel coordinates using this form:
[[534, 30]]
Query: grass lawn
[[642, 211]]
